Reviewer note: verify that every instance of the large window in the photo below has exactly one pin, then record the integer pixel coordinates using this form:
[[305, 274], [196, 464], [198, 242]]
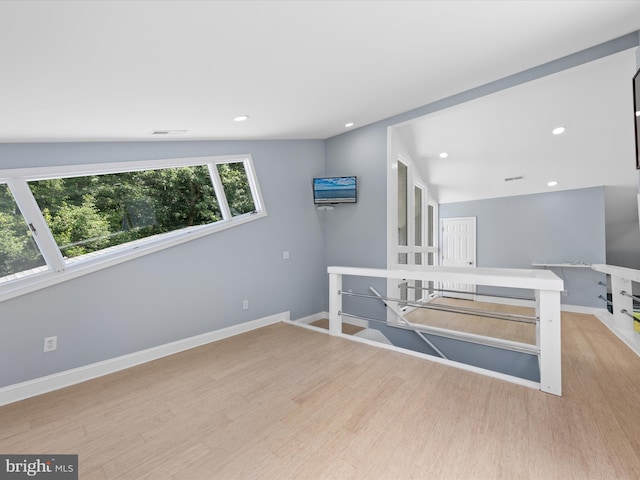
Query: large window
[[75, 216], [236, 188], [90, 213]]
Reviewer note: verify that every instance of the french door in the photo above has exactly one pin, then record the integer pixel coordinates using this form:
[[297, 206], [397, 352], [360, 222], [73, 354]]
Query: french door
[[416, 235]]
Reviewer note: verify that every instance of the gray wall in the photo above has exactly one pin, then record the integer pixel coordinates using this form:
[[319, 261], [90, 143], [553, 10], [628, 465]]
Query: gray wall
[[356, 235], [623, 232], [182, 291], [623, 228], [558, 227]]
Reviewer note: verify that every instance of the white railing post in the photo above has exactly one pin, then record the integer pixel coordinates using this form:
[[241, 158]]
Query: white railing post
[[621, 302], [335, 304], [548, 308]]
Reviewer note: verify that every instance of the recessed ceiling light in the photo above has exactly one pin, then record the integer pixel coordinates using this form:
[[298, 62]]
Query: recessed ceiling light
[[558, 130], [350, 124], [552, 183], [241, 118], [444, 155]]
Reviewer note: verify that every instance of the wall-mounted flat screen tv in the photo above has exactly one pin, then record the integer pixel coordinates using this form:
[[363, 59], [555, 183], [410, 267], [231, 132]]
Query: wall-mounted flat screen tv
[[330, 190], [636, 111]]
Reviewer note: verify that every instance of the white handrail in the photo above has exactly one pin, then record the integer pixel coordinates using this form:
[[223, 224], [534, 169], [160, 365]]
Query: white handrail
[[615, 271], [546, 284], [494, 277]]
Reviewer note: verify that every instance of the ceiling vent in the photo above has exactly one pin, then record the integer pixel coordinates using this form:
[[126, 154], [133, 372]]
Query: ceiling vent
[[513, 179], [169, 132]]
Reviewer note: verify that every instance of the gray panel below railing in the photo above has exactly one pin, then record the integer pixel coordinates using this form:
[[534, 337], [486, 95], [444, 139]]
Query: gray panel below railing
[[516, 364]]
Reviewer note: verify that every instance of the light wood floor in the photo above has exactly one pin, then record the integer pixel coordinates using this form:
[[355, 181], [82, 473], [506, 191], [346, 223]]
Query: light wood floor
[[491, 327], [285, 402]]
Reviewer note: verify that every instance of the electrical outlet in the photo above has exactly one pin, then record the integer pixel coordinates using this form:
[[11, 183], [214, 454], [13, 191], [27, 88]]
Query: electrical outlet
[[285, 255], [50, 344], [245, 304]]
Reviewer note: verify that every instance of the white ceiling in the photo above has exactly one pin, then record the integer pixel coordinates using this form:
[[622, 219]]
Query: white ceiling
[[508, 134], [101, 70]]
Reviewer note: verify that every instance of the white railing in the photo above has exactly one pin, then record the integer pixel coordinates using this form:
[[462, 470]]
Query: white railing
[[620, 321], [546, 284]]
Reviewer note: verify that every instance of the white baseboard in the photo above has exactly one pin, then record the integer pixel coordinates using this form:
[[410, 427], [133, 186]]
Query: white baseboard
[[630, 338], [579, 309], [56, 381]]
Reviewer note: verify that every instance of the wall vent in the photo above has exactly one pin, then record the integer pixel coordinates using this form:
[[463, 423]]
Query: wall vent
[[513, 179]]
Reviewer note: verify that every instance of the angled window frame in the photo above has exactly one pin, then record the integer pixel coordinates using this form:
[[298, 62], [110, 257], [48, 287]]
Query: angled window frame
[[61, 269]]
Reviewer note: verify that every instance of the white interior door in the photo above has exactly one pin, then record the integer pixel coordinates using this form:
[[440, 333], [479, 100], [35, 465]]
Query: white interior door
[[458, 250]]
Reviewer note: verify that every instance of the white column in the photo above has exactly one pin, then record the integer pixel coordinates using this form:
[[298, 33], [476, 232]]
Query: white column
[[548, 306], [537, 296], [335, 304]]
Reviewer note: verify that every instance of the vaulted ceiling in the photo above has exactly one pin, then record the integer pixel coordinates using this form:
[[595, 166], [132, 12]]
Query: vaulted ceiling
[[106, 71]]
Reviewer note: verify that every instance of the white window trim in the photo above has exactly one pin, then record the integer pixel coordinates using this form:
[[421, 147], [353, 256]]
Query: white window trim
[[435, 249], [17, 178]]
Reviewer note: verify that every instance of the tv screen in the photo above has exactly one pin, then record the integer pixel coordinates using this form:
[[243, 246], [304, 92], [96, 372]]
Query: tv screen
[[636, 111], [330, 190]]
